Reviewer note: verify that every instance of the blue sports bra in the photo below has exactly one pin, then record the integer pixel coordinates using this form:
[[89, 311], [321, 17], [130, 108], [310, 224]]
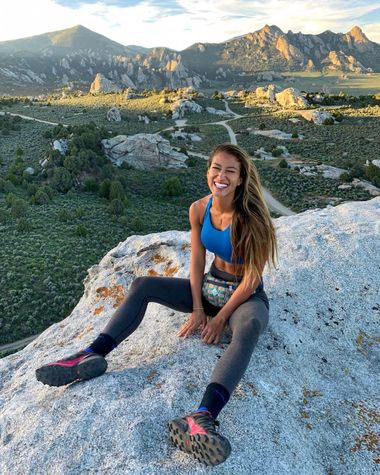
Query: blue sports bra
[[215, 240]]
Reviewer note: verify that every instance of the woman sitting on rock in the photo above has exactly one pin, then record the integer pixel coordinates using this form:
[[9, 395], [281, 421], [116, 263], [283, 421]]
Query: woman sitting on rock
[[234, 223]]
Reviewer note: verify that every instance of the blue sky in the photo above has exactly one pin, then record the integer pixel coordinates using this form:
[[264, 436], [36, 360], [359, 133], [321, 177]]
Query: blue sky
[[180, 23]]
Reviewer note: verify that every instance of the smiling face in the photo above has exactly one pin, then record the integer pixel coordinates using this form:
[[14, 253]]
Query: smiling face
[[223, 176]]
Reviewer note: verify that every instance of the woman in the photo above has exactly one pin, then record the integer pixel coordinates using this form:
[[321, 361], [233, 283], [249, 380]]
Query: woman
[[234, 223]]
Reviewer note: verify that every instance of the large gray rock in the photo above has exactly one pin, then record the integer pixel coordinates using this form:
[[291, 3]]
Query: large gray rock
[[62, 145], [114, 115], [179, 108], [291, 98], [316, 116], [143, 151], [102, 84], [267, 92], [308, 403], [212, 110]]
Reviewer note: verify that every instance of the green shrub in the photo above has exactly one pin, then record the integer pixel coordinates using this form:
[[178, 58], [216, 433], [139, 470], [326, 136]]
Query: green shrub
[[357, 171], [276, 152], [91, 185], [123, 220], [4, 216], [262, 126], [171, 187], [107, 171], [10, 198], [49, 191], [31, 189], [6, 186], [283, 163], [72, 164], [19, 208], [81, 230], [104, 189], [126, 166], [328, 121], [116, 191], [137, 224], [345, 177], [79, 213], [23, 225], [61, 179], [191, 162], [295, 135], [117, 207], [64, 216], [41, 197], [338, 116]]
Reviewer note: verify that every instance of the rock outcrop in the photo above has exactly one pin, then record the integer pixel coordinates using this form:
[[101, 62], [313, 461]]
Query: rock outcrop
[[274, 134], [291, 98], [181, 106], [103, 85], [212, 110], [61, 145], [313, 376], [318, 117], [114, 115], [143, 152], [267, 92], [338, 61]]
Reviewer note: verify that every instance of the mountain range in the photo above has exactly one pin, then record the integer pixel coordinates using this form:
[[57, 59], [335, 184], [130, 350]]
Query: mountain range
[[72, 57]]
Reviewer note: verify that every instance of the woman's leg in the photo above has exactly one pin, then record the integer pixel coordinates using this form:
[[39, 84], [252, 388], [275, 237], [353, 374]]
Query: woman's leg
[[173, 292], [247, 323], [90, 362]]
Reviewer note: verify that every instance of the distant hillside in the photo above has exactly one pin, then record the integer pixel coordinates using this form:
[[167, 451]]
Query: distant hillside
[[73, 57], [70, 41], [272, 49]]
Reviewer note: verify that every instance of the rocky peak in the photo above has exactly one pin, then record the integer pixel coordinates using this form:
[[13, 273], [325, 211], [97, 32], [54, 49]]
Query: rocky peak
[[271, 30], [357, 35]]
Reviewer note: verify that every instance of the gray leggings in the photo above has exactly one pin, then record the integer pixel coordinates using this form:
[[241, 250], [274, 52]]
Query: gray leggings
[[247, 322]]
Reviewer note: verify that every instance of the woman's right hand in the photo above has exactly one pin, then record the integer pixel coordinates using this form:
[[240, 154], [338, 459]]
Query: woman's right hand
[[198, 320]]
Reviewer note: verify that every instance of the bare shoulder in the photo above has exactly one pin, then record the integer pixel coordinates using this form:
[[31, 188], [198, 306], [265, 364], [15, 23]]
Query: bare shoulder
[[197, 210]]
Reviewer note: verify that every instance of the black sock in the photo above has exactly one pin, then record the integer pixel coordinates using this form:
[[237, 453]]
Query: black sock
[[103, 345], [214, 399]]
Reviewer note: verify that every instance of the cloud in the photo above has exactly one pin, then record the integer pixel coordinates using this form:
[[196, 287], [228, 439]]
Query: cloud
[[180, 23]]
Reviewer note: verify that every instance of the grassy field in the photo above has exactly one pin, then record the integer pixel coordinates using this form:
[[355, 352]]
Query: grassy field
[[354, 84]]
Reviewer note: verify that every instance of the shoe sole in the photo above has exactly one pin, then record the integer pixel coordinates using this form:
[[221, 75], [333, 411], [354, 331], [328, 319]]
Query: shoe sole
[[55, 375], [207, 449]]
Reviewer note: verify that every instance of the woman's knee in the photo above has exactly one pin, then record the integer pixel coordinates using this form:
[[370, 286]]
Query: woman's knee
[[248, 326], [139, 283]]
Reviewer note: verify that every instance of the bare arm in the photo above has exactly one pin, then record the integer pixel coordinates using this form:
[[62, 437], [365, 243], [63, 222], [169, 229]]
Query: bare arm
[[198, 317], [198, 255]]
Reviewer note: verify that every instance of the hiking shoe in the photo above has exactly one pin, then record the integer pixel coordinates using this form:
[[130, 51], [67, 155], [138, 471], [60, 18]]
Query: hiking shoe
[[80, 366], [196, 435]]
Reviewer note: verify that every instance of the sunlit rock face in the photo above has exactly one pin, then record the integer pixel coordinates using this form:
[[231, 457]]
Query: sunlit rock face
[[307, 404], [291, 98], [102, 84], [143, 152]]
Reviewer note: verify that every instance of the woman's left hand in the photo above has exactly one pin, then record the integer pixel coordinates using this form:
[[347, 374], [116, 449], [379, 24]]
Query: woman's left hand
[[212, 332]]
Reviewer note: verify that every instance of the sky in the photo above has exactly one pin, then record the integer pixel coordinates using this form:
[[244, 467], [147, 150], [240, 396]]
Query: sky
[[178, 24]]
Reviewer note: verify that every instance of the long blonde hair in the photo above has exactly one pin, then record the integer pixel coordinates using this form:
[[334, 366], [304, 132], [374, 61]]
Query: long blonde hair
[[253, 234]]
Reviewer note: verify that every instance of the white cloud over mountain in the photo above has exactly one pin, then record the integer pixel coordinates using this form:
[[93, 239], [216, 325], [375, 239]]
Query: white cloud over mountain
[[178, 24]]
